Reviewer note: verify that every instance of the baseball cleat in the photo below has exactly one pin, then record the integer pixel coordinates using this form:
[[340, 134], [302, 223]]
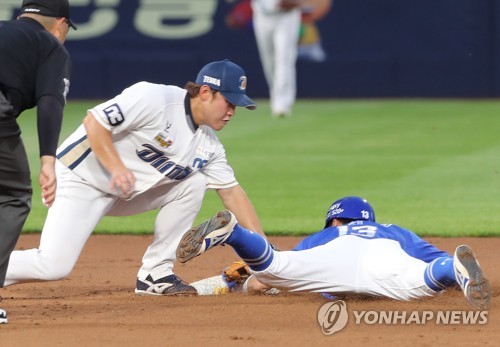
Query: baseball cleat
[[469, 276], [169, 285], [3, 317], [208, 234]]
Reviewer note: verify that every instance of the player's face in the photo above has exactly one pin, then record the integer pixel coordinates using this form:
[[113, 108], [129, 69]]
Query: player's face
[[220, 112]]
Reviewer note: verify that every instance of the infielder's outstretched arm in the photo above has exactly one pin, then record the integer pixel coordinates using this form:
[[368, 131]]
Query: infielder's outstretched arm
[[236, 200], [101, 142]]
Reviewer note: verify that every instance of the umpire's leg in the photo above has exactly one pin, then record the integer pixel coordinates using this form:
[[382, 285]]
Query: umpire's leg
[[15, 196]]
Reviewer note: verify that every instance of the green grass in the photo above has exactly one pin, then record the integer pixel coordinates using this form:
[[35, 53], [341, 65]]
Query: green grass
[[432, 166]]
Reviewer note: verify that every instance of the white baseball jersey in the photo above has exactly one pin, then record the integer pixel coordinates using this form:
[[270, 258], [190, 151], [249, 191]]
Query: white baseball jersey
[[266, 6], [173, 160], [277, 35], [156, 138]]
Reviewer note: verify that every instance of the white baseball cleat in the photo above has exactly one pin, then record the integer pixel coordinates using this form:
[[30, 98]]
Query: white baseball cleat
[[469, 276], [208, 234]]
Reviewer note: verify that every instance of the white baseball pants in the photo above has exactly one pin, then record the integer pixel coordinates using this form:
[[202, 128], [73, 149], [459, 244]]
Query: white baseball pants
[[377, 267], [78, 208], [277, 38]]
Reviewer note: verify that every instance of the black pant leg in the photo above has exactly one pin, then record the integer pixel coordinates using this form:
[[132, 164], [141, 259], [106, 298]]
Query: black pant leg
[[15, 196]]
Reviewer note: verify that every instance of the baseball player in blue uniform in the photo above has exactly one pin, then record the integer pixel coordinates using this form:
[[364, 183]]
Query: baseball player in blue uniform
[[352, 254], [153, 147]]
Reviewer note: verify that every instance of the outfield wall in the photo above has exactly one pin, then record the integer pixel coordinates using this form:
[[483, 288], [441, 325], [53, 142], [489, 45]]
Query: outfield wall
[[373, 48]]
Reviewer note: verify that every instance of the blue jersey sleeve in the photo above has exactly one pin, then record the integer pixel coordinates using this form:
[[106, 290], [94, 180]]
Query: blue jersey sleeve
[[413, 244]]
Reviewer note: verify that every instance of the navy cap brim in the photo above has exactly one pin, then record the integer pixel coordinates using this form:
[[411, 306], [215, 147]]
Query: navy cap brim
[[71, 24], [240, 99]]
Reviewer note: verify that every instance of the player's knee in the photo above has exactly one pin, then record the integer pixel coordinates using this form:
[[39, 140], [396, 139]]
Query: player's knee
[[54, 269], [56, 273]]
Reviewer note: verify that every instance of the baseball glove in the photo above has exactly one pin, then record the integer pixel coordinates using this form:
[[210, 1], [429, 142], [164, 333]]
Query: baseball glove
[[236, 274]]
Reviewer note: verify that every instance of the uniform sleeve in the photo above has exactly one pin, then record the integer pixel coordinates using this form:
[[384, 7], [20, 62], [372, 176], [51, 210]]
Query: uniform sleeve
[[54, 75], [218, 172], [52, 86], [135, 107], [49, 120], [421, 249]]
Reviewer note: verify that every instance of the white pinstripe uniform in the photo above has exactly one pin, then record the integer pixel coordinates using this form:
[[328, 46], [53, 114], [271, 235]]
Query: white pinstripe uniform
[[174, 162], [277, 35]]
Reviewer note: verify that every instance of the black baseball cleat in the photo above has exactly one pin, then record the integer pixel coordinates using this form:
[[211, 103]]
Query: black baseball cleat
[[169, 285], [468, 273], [208, 234], [3, 317]]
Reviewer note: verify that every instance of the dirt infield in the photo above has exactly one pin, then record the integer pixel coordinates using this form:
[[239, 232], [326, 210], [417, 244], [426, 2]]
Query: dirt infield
[[96, 306]]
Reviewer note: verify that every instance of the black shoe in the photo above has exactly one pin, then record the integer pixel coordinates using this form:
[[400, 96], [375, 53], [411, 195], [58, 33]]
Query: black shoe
[[169, 285], [3, 317]]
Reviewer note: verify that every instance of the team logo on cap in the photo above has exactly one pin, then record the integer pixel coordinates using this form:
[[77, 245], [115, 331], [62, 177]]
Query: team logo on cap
[[211, 80], [243, 83], [31, 10]]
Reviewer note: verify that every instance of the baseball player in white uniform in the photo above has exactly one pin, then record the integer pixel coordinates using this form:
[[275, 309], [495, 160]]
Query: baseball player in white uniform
[[352, 254], [276, 25], [151, 147]]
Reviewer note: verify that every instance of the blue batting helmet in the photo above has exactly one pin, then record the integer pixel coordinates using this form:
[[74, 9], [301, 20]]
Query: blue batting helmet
[[350, 207]]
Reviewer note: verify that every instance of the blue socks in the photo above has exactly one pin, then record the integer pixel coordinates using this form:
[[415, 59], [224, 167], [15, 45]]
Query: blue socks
[[440, 274], [251, 247]]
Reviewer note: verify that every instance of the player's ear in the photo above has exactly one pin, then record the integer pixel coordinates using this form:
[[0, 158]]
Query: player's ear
[[205, 92], [59, 29]]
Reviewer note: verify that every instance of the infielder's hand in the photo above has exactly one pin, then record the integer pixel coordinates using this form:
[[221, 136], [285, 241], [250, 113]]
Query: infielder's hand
[[47, 180], [122, 182]]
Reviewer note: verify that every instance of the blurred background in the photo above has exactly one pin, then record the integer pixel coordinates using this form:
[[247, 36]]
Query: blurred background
[[397, 102], [348, 48]]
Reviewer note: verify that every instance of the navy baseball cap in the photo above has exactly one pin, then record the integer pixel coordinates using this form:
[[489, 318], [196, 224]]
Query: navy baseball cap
[[48, 8], [229, 79], [350, 207]]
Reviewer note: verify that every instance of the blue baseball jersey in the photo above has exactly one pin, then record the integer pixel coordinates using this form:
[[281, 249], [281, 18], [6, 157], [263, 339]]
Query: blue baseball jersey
[[412, 244]]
